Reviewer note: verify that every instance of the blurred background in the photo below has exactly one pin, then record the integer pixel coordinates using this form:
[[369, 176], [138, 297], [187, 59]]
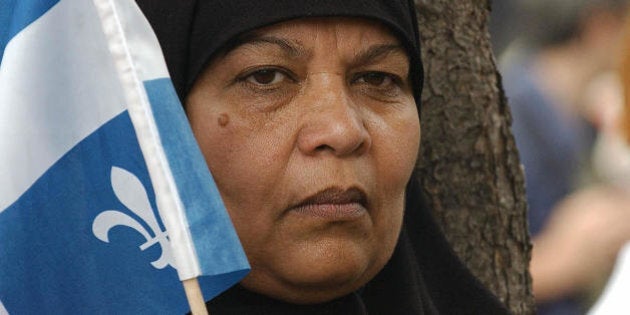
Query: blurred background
[[565, 68]]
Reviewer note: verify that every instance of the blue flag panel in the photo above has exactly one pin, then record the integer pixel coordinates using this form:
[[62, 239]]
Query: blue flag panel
[[51, 259]]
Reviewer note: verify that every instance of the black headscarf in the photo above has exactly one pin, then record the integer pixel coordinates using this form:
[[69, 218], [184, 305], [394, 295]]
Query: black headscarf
[[423, 276]]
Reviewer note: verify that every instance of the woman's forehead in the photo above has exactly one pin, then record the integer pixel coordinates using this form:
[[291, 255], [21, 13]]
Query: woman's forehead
[[300, 37], [340, 25]]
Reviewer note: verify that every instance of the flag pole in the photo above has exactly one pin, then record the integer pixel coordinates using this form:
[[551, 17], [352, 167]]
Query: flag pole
[[194, 296]]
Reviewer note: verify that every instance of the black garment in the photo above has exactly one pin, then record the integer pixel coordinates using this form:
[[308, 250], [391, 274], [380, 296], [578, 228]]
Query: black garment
[[423, 276], [238, 300]]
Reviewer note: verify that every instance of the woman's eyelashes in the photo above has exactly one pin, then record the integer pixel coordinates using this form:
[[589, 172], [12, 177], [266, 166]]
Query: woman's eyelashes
[[380, 85], [377, 79], [266, 78]]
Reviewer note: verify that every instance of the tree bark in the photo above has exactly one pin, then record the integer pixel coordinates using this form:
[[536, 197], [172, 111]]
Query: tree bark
[[469, 165]]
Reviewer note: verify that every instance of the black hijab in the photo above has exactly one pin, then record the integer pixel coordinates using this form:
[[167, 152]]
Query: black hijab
[[423, 276]]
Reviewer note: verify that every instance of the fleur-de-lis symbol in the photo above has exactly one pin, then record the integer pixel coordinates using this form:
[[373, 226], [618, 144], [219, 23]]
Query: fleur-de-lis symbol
[[133, 195]]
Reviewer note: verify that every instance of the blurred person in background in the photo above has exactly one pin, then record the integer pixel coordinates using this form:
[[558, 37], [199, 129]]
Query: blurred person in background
[[612, 157], [549, 72]]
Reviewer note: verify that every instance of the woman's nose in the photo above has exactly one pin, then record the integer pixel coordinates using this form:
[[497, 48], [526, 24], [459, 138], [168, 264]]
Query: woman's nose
[[332, 122]]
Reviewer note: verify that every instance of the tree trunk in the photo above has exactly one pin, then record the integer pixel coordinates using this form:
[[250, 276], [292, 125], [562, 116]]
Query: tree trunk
[[469, 164]]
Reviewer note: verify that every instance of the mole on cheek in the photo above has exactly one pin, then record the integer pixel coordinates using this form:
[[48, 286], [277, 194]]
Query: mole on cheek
[[223, 119]]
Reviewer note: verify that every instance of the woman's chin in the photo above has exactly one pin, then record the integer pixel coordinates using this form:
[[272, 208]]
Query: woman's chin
[[316, 277], [303, 291]]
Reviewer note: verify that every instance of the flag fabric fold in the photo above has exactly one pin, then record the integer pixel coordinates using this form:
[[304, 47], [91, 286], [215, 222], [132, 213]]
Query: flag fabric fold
[[105, 198]]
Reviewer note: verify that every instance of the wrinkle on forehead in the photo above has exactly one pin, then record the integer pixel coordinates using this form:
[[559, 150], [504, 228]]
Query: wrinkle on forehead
[[291, 47], [350, 42], [341, 32], [344, 30]]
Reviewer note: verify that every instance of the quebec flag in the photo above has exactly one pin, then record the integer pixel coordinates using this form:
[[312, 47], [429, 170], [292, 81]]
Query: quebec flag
[[106, 202]]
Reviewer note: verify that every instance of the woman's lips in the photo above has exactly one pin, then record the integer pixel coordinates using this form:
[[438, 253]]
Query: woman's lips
[[334, 204]]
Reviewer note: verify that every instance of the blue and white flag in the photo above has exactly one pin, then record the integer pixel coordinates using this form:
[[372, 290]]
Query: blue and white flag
[[105, 199]]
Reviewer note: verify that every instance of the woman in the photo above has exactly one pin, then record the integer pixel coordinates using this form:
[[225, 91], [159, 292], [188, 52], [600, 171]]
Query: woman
[[307, 114]]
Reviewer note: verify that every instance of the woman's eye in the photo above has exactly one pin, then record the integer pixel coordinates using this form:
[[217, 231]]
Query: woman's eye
[[377, 79], [265, 77]]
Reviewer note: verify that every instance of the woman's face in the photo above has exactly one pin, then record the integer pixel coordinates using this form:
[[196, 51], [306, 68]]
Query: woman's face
[[311, 132]]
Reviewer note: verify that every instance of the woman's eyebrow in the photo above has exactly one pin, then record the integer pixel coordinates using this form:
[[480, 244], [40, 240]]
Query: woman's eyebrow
[[377, 52], [290, 48]]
